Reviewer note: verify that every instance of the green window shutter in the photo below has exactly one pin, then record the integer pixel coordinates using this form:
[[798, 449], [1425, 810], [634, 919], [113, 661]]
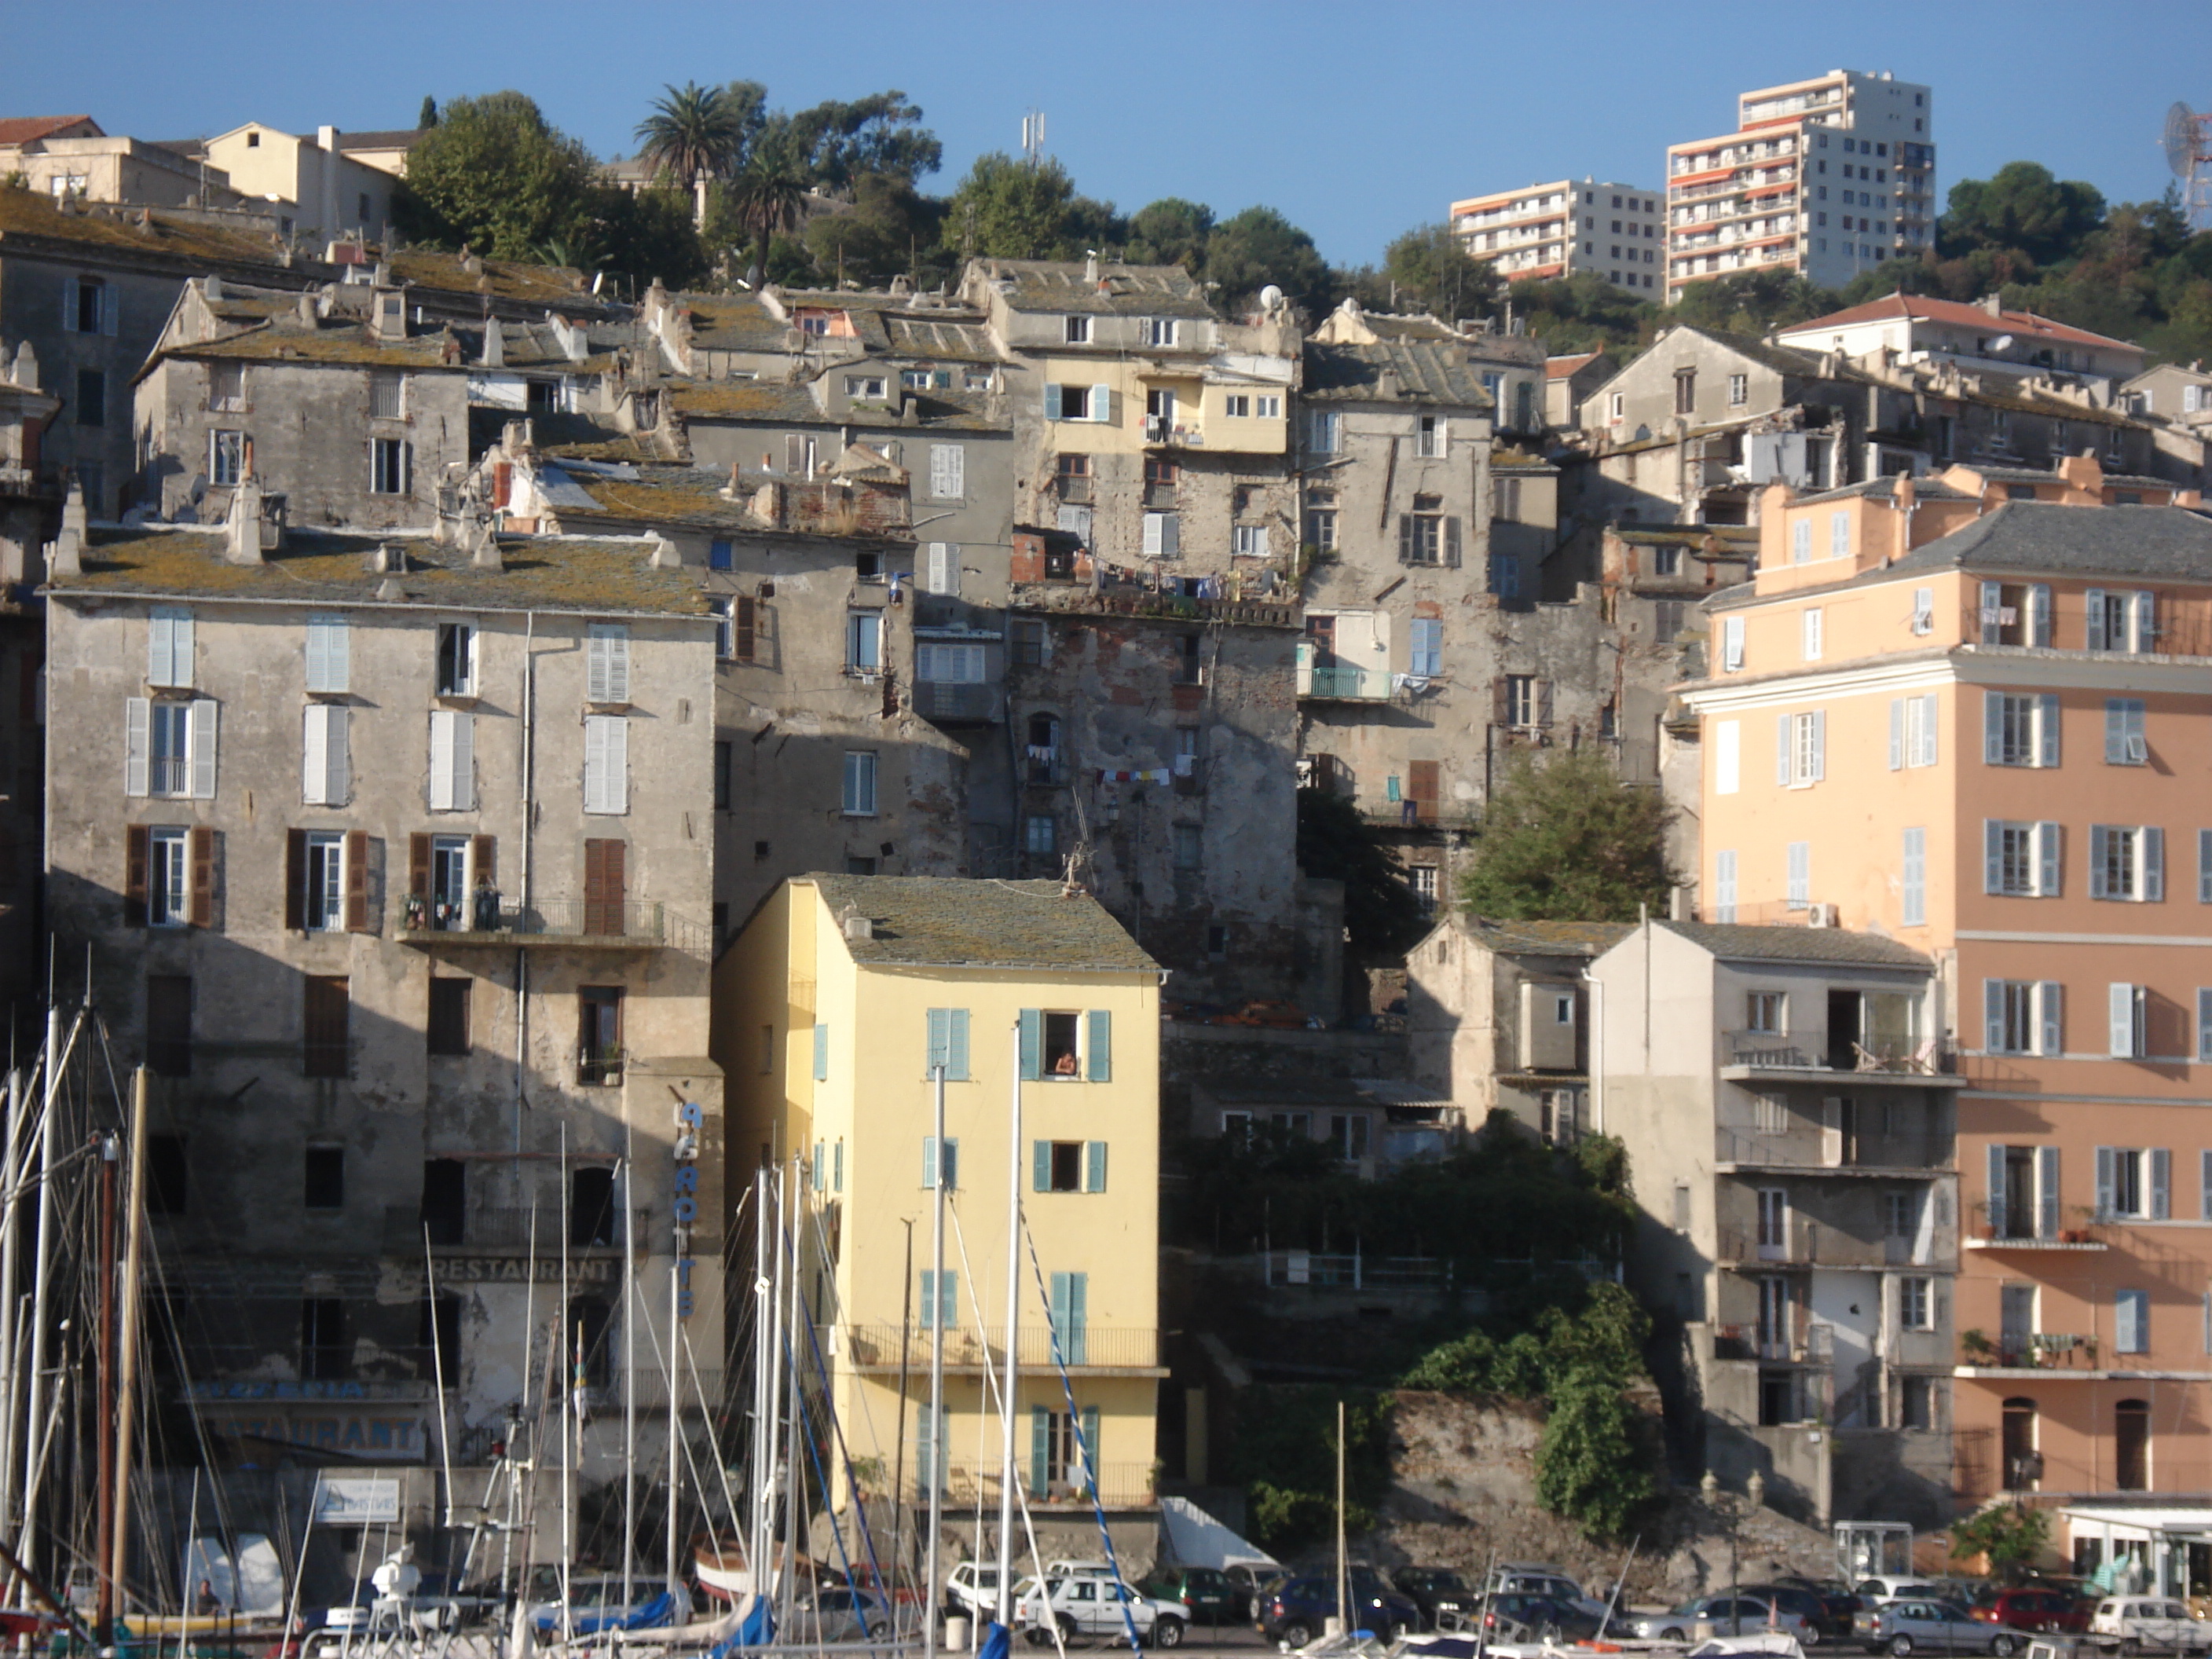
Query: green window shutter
[[928, 1297], [937, 1027], [928, 1163], [821, 1054], [821, 1166], [1041, 1164], [1032, 1026], [1091, 1448], [955, 1045], [1074, 1325], [1039, 1448], [948, 1301], [837, 1168], [1059, 1282], [1102, 1045], [1094, 1166]]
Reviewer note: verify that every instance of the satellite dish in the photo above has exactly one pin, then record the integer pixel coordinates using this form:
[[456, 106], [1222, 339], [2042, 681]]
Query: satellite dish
[[1270, 297], [2188, 145], [2003, 343], [2181, 143]]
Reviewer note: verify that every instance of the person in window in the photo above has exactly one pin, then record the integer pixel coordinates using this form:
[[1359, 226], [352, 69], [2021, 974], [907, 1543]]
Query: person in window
[[1065, 1065], [487, 906]]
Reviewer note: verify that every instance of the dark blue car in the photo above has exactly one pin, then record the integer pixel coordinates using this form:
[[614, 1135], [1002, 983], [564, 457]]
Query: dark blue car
[[1297, 1609]]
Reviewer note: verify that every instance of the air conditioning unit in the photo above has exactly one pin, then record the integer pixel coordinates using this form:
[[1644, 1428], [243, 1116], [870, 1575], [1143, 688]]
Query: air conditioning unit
[[1821, 915]]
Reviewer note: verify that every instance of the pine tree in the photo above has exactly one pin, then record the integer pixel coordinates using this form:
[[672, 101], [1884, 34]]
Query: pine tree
[[1565, 840], [427, 117]]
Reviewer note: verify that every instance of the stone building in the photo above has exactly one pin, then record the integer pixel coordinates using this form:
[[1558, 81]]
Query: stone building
[[69, 156], [391, 862]]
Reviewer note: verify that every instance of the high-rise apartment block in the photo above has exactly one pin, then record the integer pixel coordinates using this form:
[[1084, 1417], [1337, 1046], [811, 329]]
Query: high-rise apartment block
[[1615, 231], [1824, 178]]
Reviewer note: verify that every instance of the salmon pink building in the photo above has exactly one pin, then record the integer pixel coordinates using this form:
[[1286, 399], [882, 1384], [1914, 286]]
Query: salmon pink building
[[1974, 712]]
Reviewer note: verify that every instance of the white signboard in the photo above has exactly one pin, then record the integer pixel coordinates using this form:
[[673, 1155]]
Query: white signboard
[[356, 1500]]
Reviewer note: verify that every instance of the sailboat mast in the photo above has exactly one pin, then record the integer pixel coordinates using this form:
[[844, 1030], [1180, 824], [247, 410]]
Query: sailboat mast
[[1011, 1369], [134, 1245], [763, 1382], [629, 1365], [42, 1262], [934, 1473], [10, 1183], [792, 1222], [675, 1446], [103, 1430]]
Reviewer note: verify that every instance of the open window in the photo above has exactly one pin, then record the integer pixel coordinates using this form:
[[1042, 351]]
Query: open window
[[1061, 1053]]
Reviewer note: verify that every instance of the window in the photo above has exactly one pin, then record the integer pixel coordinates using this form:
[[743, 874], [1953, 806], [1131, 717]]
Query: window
[[1321, 521], [2022, 860], [2125, 743], [606, 663], [1763, 1012], [1798, 888], [1520, 701], [1801, 542], [1685, 391], [599, 1033], [387, 397], [606, 764], [329, 656], [2014, 613], [1268, 405], [2128, 1011], [227, 456], [2121, 622], [1667, 617], [941, 1292], [2131, 1417], [2022, 1017], [91, 396], [944, 1043], [390, 461], [2022, 729], [324, 909], [1724, 885], [1425, 657], [168, 880], [1506, 575], [169, 657], [1237, 405], [1040, 836], [1739, 388], [1076, 330], [226, 389], [1069, 1166], [2131, 1322], [2128, 862], [1430, 436], [948, 472], [1248, 541], [327, 1048], [456, 660], [1731, 645], [954, 665], [721, 556], [169, 1024], [447, 1029], [1811, 634], [1913, 724], [1915, 1302], [1839, 535], [1159, 330], [867, 388], [864, 642], [326, 773], [860, 796], [594, 1216], [1424, 883], [90, 307], [1072, 478], [323, 1352], [1189, 846], [1801, 749], [1324, 431]]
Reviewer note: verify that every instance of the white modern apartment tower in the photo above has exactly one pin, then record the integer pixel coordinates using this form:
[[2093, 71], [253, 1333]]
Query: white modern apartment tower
[[1617, 231]]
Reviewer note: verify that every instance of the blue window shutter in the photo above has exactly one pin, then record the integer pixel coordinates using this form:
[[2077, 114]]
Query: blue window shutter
[[1059, 1282], [821, 1052], [2116, 732], [928, 1163], [2153, 864], [2096, 860], [2051, 1009], [1039, 1448], [1094, 1166], [2104, 1183], [2048, 842], [2161, 1184], [1993, 728], [1993, 1015], [1993, 856], [2204, 866], [1101, 1058], [948, 1301], [821, 1167], [2204, 1052], [2046, 736], [1032, 1027], [2093, 604], [1997, 1218], [1041, 1166], [955, 1045], [2046, 1191], [1390, 787], [1075, 1340], [1896, 734], [1091, 1447], [935, 1051]]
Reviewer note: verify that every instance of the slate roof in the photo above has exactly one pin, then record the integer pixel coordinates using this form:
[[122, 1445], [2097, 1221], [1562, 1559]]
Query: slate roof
[[1397, 326], [943, 921], [29, 214], [2169, 542], [1885, 490], [1556, 938], [390, 138], [1120, 289], [598, 575], [1733, 943], [509, 279], [1737, 538], [283, 338], [1433, 371], [1784, 360], [746, 400], [580, 436], [734, 322], [656, 495], [940, 338]]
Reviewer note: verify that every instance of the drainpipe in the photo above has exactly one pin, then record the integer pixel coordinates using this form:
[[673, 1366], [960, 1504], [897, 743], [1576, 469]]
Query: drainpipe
[[522, 908]]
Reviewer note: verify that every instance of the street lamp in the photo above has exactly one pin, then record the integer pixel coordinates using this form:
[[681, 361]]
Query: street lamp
[[1733, 1511]]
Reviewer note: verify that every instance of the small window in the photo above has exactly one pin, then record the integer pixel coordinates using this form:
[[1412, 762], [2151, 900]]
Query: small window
[[1076, 330], [1189, 846], [390, 464], [1429, 437], [600, 1034], [1160, 332], [860, 791], [1059, 1056], [1237, 405], [324, 908], [168, 877], [1763, 1012], [456, 660], [227, 454], [448, 1026], [91, 396], [387, 397], [864, 642], [325, 1183]]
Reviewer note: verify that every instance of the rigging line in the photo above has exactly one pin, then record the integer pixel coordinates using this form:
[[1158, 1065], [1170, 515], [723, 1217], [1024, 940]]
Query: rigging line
[[844, 1454], [821, 1244], [813, 1451], [1082, 1440], [714, 1440]]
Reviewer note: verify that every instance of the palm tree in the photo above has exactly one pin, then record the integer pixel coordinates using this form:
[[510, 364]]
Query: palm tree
[[767, 196], [692, 129]]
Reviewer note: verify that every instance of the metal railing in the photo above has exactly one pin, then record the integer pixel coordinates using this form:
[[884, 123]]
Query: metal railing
[[2034, 1350], [2023, 1224], [1348, 682], [506, 1229], [618, 921], [1774, 1051], [1120, 1485], [1355, 1272], [1807, 1343], [880, 1346]]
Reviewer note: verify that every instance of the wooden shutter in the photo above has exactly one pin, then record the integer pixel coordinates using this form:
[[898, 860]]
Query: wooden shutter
[[461, 791], [1543, 703], [203, 877], [418, 868], [203, 740], [357, 881], [1421, 787], [955, 1045], [1041, 1166], [1451, 543], [607, 663], [743, 623], [295, 879], [1099, 1059], [137, 746], [135, 851], [603, 886], [1405, 539], [2046, 1191], [1094, 1166]]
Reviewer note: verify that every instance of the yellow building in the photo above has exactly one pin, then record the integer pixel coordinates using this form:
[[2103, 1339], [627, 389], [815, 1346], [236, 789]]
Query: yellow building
[[833, 1007]]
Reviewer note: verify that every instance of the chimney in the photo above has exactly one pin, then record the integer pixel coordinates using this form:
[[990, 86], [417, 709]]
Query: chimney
[[211, 286], [484, 547], [665, 555], [67, 551], [308, 317], [495, 344], [1090, 270], [26, 371], [1993, 304], [387, 314], [242, 528]]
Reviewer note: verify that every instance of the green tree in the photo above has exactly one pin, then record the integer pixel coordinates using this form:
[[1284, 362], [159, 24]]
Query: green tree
[[427, 117], [1009, 209], [1258, 247], [495, 175], [880, 233], [691, 130], [1432, 270], [1382, 916], [834, 143], [637, 237], [1170, 232], [1752, 302], [767, 197], [1589, 1466], [2008, 1536], [2023, 206], [1565, 840], [1286, 1453]]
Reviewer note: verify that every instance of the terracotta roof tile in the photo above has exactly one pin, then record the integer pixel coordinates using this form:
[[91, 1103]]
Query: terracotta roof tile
[[1924, 308], [30, 128]]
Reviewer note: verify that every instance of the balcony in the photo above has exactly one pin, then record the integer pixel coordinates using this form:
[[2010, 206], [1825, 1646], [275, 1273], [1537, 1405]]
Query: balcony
[[1121, 1486], [1090, 1348], [2016, 1227], [1343, 682], [567, 924], [1810, 1243], [507, 1231], [1809, 1343], [1354, 1272], [1771, 1057], [1160, 432], [1823, 1149], [2052, 1354]]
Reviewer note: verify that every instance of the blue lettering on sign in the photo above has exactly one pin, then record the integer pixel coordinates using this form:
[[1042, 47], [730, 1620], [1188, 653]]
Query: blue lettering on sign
[[683, 1305], [687, 1211], [687, 1178], [688, 1118]]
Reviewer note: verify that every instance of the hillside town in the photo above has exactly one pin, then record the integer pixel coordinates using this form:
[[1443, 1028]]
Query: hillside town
[[629, 891]]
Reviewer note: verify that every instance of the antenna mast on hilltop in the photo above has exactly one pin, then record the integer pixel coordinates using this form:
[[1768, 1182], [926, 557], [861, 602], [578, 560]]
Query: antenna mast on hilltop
[[2189, 153], [1033, 137]]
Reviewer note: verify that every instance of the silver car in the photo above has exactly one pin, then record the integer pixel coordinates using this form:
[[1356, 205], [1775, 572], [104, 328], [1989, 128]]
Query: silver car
[[1915, 1625]]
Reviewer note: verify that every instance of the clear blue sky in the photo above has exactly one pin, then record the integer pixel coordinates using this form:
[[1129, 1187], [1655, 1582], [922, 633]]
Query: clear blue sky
[[1356, 120]]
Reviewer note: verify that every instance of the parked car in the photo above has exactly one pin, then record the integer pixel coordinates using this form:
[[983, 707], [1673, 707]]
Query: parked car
[[1444, 1597], [1086, 1605], [1821, 1623], [1528, 1578], [1843, 1604], [2150, 1624], [1251, 1580], [1924, 1625], [1726, 1613], [1542, 1616], [1877, 1590], [1203, 1593], [1294, 1610], [834, 1614], [971, 1591], [2030, 1606]]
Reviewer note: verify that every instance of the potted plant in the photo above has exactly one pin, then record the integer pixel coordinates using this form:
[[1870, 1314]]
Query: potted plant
[[1976, 1346]]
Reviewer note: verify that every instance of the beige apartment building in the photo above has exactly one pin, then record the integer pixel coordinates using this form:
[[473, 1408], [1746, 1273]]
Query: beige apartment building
[[1824, 178], [1612, 230]]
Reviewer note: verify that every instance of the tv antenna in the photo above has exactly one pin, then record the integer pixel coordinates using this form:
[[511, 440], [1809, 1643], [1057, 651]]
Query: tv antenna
[[1033, 137], [2189, 153]]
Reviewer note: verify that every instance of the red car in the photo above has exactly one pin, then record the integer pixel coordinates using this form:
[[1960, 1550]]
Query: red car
[[2032, 1609]]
